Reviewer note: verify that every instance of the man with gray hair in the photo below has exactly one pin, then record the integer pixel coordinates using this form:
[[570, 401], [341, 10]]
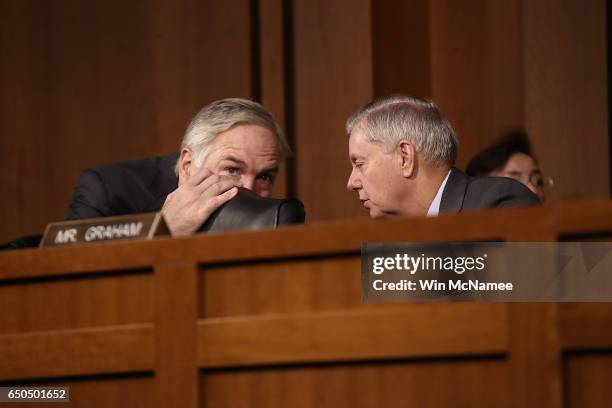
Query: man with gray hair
[[230, 143], [402, 150]]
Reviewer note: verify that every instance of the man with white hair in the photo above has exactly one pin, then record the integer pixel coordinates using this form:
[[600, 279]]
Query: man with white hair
[[402, 150], [229, 143]]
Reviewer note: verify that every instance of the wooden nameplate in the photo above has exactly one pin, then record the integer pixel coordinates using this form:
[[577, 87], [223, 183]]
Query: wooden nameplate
[[135, 226]]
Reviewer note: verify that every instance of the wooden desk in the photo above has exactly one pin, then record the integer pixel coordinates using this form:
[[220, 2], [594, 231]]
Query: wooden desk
[[274, 318]]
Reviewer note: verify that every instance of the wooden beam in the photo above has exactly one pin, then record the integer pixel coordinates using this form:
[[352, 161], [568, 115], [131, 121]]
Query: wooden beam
[[176, 371], [62, 353], [535, 361], [428, 330]]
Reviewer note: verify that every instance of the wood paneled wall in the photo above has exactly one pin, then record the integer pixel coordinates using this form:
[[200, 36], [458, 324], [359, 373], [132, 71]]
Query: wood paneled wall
[[332, 65], [87, 83], [476, 69], [566, 93]]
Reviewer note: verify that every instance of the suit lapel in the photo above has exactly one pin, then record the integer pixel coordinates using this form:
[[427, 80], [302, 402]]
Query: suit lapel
[[454, 192]]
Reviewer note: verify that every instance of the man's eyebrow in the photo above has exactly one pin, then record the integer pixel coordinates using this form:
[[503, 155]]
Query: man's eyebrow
[[234, 159], [271, 169]]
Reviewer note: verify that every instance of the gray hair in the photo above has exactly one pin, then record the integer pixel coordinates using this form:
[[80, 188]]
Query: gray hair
[[218, 117], [390, 119]]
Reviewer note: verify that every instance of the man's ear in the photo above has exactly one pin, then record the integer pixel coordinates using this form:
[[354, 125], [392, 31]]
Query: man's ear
[[407, 154], [185, 165]]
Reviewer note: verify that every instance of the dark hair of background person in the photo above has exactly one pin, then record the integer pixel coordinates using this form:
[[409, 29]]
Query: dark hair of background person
[[496, 155]]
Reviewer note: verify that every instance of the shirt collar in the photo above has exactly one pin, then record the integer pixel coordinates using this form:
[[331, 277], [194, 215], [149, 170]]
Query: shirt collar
[[434, 208]]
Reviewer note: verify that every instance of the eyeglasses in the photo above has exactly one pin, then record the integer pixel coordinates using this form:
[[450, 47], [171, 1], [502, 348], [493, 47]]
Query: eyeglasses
[[541, 182], [535, 179]]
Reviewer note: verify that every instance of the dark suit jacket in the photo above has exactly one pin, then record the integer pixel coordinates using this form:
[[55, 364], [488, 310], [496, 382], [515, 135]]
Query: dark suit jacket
[[142, 185], [463, 192], [135, 186]]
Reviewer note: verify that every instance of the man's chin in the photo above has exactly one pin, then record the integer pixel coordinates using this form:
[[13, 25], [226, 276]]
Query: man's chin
[[376, 214]]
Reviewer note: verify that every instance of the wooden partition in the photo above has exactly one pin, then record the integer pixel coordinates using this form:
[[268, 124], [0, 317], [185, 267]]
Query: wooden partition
[[274, 318]]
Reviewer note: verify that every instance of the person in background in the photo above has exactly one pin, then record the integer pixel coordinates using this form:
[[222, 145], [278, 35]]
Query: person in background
[[511, 156]]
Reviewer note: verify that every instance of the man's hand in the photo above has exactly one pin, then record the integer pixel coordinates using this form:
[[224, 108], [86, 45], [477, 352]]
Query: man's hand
[[187, 207]]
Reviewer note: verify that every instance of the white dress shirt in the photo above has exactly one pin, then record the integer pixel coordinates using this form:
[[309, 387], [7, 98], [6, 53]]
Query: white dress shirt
[[434, 208]]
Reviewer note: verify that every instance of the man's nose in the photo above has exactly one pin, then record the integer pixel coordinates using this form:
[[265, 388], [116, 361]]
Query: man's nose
[[248, 182], [353, 182]]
